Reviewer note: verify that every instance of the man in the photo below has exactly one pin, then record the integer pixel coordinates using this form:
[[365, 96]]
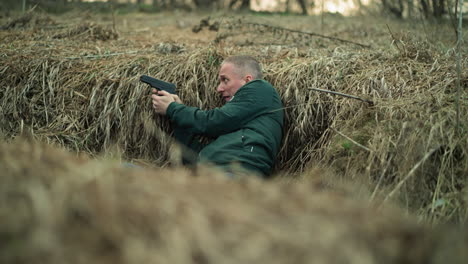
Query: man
[[247, 130]]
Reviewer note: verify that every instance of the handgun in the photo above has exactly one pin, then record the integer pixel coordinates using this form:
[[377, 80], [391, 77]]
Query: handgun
[[158, 84]]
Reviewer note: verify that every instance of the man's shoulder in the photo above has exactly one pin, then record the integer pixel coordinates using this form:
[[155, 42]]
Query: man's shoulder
[[261, 93], [260, 83], [259, 87]]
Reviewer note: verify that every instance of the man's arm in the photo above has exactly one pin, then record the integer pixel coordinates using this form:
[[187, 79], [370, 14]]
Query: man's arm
[[190, 144], [248, 103]]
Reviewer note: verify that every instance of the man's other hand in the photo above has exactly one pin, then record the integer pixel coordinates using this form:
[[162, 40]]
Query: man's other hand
[[176, 98], [162, 100]]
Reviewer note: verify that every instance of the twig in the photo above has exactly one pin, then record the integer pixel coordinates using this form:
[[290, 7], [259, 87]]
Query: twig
[[113, 16], [321, 17], [56, 27], [350, 139], [394, 39], [243, 43], [459, 43], [398, 186], [218, 33], [453, 18], [456, 11], [288, 107], [101, 55], [371, 103], [403, 128], [307, 33]]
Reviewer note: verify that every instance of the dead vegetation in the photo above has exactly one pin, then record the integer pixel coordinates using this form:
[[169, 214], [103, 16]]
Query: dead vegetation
[[88, 31], [29, 20], [74, 209]]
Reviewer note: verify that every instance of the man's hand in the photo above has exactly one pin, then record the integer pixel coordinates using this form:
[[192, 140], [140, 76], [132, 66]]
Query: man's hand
[[162, 100], [176, 98]]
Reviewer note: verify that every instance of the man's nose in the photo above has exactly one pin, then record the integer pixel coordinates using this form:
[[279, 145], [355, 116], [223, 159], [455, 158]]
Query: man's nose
[[220, 88]]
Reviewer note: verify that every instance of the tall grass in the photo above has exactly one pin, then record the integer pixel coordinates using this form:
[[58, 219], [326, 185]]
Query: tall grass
[[86, 97]]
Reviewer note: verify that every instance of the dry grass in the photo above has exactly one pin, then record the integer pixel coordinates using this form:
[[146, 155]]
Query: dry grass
[[89, 31], [80, 210], [85, 96], [29, 20]]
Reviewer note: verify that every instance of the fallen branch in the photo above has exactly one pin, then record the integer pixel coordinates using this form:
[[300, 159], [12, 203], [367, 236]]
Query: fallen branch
[[371, 103], [350, 139], [306, 33]]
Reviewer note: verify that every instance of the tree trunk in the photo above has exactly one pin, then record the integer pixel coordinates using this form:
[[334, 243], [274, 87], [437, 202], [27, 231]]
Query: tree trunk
[[438, 8], [245, 4], [389, 7], [203, 3], [303, 5], [410, 8], [425, 8]]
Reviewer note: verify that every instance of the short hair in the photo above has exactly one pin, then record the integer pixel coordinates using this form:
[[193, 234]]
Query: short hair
[[246, 65]]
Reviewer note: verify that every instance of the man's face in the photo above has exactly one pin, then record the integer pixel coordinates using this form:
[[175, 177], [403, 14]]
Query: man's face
[[229, 81]]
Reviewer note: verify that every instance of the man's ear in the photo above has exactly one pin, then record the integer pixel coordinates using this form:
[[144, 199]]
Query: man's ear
[[248, 78]]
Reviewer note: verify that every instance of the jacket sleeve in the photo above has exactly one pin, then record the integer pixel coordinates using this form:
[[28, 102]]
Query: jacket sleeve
[[248, 103], [191, 146]]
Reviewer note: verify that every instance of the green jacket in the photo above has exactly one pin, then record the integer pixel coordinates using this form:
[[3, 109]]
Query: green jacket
[[246, 130]]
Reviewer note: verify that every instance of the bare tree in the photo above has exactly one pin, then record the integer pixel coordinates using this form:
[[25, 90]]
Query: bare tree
[[438, 7], [429, 8], [302, 4], [164, 4], [395, 7], [203, 3], [245, 4]]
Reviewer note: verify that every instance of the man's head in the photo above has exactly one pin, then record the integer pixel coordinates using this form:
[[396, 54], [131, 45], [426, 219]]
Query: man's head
[[235, 72]]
